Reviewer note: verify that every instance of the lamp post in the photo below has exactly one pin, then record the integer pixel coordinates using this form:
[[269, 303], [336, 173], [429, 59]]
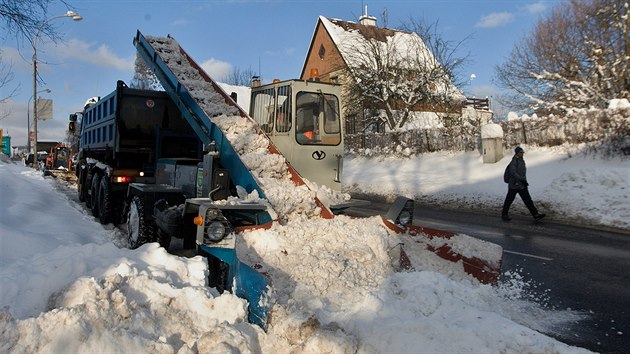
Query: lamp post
[[28, 120], [75, 17]]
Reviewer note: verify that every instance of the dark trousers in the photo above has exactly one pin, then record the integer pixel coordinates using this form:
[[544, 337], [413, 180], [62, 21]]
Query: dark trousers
[[527, 199]]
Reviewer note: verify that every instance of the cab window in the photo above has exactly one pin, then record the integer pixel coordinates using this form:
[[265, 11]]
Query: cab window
[[263, 113], [317, 119], [283, 111]]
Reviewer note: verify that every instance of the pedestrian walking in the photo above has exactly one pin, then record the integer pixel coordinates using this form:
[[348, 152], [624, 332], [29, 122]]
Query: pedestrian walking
[[516, 178]]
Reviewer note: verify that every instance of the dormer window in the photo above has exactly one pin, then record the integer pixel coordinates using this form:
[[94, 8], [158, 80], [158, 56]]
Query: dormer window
[[322, 52]]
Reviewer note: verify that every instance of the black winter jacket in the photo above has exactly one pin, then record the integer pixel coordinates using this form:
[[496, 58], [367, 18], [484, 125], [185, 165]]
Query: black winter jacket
[[517, 172]]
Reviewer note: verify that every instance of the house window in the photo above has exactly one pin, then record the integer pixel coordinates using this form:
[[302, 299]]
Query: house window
[[322, 52]]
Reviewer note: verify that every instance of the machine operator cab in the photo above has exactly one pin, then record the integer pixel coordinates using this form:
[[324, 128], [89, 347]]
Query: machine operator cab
[[303, 119]]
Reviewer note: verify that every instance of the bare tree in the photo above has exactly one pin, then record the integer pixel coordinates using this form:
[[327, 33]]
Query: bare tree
[[6, 76], [397, 73], [449, 53], [578, 56], [22, 20], [239, 77]]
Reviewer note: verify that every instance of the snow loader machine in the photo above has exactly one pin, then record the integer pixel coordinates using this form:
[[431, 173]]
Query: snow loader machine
[[161, 162]]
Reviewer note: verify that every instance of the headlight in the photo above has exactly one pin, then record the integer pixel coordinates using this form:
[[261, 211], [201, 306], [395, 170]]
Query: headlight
[[214, 225], [215, 231], [404, 218], [401, 212]]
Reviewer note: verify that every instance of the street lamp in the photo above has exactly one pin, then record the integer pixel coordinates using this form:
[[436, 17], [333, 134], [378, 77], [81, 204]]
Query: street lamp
[[75, 17], [28, 120]]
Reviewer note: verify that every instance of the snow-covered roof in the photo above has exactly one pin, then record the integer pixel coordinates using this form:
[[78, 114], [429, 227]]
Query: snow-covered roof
[[348, 36], [405, 48]]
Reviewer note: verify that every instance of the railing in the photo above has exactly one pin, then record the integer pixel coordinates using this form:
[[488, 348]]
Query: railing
[[482, 104]]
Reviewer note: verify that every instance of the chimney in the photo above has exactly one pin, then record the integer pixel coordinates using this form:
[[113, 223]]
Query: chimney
[[366, 20], [255, 81]]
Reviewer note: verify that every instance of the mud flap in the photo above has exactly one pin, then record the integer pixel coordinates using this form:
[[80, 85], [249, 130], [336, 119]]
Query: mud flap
[[241, 280]]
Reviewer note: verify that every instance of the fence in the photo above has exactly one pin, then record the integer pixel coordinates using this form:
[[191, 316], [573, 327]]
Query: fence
[[411, 142], [586, 126], [481, 104]]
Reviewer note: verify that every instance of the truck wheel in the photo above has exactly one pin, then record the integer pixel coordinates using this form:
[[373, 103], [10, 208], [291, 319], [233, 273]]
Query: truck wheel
[[164, 239], [81, 185], [108, 204], [139, 229], [86, 191], [96, 182]]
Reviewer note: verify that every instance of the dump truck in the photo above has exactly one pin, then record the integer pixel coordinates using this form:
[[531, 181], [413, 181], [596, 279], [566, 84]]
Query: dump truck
[[171, 164], [123, 136], [156, 161]]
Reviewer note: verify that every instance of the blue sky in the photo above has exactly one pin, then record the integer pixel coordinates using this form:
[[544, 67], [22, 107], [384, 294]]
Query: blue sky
[[271, 34]]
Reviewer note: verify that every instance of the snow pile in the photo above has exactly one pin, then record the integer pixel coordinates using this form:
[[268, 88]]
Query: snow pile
[[334, 291], [143, 301], [491, 131], [619, 103]]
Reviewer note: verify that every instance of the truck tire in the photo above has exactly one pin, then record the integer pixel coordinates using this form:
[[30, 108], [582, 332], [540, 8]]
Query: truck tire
[[164, 239], [96, 182], [81, 184], [108, 204], [139, 229], [86, 190]]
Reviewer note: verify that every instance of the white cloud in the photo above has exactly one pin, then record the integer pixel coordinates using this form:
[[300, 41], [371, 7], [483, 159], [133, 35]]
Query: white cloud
[[217, 69], [98, 55], [11, 58], [496, 19], [16, 116], [536, 7]]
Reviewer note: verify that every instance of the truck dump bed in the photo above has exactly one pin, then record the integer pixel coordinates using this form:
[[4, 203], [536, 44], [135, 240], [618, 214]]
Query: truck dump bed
[[124, 126]]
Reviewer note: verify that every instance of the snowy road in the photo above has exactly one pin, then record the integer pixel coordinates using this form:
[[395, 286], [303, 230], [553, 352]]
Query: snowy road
[[568, 267]]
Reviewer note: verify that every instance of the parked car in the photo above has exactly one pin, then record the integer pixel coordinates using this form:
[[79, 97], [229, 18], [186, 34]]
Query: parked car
[[41, 157]]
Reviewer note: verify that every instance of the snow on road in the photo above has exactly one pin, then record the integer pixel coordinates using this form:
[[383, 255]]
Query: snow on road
[[334, 290]]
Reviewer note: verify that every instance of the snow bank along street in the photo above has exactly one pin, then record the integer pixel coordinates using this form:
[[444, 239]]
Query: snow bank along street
[[67, 286], [565, 182]]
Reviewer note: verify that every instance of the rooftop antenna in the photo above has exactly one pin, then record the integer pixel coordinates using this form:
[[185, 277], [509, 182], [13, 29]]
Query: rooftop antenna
[[384, 18]]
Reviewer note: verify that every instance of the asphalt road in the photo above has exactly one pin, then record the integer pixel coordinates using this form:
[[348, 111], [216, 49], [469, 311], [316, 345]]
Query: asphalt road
[[581, 268]]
